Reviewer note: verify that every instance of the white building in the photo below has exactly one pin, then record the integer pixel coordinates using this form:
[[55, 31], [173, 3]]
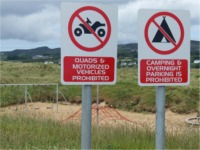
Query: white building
[[48, 62], [196, 61]]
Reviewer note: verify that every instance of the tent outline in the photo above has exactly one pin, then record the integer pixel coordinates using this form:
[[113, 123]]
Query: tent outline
[[159, 35]]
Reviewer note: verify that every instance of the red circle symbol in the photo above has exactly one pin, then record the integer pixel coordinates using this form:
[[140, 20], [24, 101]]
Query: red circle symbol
[[76, 14], [152, 21]]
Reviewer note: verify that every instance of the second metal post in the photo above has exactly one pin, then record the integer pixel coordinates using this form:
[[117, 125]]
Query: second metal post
[[160, 117]]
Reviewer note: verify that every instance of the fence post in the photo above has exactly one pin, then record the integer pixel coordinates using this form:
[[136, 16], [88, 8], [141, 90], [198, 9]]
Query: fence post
[[25, 96], [97, 107], [57, 97]]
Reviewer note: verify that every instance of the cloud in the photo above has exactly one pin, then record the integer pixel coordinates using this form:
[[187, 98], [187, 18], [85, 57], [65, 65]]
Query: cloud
[[127, 26], [9, 7], [37, 20], [43, 24], [127, 30]]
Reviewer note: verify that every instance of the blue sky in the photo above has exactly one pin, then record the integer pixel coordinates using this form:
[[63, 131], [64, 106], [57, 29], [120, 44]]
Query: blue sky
[[28, 24]]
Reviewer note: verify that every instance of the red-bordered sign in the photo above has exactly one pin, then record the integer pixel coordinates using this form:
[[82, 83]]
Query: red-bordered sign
[[100, 69], [76, 14], [176, 71], [152, 21]]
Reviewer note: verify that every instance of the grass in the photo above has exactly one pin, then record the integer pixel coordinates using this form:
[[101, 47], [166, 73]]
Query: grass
[[24, 132], [17, 72], [125, 94]]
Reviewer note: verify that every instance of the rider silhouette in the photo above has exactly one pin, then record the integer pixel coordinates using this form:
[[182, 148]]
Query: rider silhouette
[[88, 21]]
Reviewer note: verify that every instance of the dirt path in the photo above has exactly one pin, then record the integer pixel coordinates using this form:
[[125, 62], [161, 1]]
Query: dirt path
[[49, 110]]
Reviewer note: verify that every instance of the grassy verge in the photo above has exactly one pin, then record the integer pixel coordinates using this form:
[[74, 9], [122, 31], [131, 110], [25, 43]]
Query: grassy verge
[[28, 133], [22, 132]]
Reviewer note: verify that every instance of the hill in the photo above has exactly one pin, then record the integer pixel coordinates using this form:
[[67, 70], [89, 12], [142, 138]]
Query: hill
[[31, 55], [124, 50], [44, 53]]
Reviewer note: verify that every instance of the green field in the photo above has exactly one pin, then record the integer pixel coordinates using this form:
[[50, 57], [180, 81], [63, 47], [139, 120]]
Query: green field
[[25, 132], [20, 131], [125, 94]]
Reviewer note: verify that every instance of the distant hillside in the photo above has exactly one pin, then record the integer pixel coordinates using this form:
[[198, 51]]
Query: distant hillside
[[127, 50], [45, 53], [36, 54], [195, 50]]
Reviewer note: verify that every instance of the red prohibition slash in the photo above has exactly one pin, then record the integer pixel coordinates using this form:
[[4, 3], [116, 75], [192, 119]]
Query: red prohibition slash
[[102, 42], [152, 20]]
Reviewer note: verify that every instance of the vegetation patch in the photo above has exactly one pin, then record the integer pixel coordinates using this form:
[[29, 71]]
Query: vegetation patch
[[25, 132], [125, 94]]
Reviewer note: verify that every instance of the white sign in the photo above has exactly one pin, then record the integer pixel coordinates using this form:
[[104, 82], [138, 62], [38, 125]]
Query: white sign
[[88, 43], [163, 47]]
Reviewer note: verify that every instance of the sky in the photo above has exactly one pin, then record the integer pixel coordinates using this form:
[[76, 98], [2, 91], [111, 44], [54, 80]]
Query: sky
[[27, 24]]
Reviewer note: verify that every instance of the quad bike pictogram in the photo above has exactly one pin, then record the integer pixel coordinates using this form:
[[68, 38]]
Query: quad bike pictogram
[[96, 27]]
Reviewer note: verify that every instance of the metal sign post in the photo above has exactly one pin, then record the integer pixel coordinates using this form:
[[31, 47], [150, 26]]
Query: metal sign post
[[160, 117], [93, 62], [86, 133], [163, 56], [88, 52]]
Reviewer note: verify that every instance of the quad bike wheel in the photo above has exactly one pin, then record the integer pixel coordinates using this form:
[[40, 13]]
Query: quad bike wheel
[[78, 32], [101, 32]]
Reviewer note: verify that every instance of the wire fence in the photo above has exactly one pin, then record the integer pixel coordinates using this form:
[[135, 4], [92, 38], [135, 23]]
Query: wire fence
[[25, 93]]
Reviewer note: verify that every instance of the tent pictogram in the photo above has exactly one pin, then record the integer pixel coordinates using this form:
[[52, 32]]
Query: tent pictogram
[[164, 32], [159, 35]]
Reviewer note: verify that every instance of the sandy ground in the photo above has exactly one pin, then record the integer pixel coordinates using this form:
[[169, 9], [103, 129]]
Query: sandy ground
[[65, 110]]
